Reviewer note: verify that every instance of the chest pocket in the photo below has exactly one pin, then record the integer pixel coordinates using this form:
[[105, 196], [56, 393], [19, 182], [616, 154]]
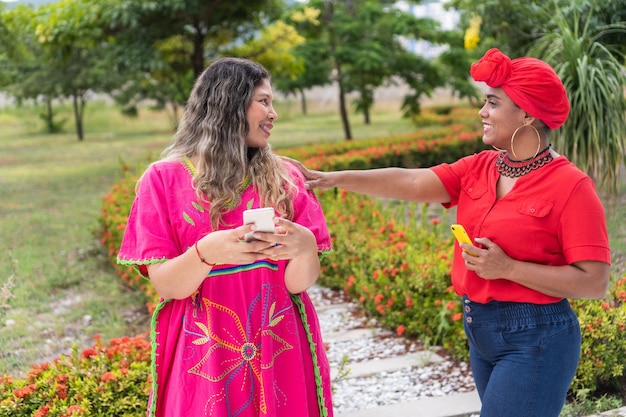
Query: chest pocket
[[474, 190], [535, 208]]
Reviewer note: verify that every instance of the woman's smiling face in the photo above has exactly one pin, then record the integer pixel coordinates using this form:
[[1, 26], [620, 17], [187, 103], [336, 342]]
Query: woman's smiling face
[[260, 116], [500, 117]]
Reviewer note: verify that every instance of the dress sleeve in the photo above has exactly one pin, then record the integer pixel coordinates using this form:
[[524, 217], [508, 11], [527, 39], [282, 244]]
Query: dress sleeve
[[308, 211], [148, 237]]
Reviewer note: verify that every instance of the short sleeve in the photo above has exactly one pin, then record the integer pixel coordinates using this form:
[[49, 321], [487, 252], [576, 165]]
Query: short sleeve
[[453, 176], [582, 228], [148, 237]]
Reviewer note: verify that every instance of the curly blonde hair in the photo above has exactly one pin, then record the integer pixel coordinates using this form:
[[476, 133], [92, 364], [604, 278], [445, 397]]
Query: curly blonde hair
[[214, 129]]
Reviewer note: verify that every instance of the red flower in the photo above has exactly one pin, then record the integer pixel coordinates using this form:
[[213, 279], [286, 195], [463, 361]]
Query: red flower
[[408, 301], [400, 329], [457, 316], [62, 391], [43, 411], [88, 353]]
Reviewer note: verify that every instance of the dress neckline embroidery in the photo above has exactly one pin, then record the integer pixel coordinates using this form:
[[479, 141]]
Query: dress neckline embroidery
[[189, 166]]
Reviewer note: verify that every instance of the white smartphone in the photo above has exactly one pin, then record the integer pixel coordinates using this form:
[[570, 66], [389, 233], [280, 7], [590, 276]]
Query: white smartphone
[[263, 218]]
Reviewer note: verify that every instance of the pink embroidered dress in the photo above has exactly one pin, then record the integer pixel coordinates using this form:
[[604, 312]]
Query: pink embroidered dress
[[242, 345]]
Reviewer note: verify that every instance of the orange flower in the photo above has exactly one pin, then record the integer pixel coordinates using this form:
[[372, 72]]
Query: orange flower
[[107, 377], [450, 305], [24, 392], [351, 279], [457, 316], [400, 329]]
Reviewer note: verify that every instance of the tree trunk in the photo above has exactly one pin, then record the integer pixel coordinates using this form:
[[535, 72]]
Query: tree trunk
[[303, 102], [197, 57], [333, 48], [342, 105], [79, 107], [49, 115]]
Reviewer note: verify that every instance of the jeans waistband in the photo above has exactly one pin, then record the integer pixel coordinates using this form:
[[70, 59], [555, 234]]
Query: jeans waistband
[[498, 311]]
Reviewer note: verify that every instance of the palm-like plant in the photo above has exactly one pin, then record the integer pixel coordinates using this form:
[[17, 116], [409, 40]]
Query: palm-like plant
[[594, 136]]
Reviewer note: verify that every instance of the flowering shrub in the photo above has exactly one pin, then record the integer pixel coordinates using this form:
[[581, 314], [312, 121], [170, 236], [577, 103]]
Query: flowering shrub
[[103, 380], [395, 259], [603, 354]]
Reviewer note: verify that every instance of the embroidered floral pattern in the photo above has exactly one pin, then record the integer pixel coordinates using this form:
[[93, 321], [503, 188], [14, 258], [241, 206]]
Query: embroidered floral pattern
[[237, 347]]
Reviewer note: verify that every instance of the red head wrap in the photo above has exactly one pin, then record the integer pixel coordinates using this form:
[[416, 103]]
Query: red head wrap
[[529, 82]]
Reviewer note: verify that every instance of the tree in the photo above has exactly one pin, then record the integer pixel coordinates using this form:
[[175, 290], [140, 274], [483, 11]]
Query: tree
[[312, 53], [362, 40], [26, 75], [163, 45], [75, 50], [273, 49]]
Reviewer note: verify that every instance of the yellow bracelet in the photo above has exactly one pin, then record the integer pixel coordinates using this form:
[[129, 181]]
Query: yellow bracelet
[[201, 258]]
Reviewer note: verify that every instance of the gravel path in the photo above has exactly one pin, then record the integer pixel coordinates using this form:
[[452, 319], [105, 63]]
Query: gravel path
[[433, 378]]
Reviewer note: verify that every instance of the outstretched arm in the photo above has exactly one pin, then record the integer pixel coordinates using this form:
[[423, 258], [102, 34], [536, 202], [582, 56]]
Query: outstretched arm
[[419, 184]]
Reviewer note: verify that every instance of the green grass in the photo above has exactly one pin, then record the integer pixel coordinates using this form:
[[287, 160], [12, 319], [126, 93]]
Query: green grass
[[64, 290]]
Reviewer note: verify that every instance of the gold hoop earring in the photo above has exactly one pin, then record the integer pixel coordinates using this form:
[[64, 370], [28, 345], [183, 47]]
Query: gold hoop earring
[[498, 149], [538, 140]]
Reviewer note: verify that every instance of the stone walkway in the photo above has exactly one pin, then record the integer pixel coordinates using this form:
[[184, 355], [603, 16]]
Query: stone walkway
[[377, 373]]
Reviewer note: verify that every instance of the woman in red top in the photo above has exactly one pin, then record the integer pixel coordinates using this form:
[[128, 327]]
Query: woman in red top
[[540, 235]]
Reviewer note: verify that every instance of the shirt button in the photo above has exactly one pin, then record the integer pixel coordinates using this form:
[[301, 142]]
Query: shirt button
[[470, 189], [532, 210]]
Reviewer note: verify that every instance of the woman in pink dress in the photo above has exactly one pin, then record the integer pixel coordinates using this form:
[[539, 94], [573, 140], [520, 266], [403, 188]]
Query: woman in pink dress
[[235, 333]]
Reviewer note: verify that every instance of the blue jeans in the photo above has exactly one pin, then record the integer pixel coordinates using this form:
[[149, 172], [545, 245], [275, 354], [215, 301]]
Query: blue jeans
[[523, 356]]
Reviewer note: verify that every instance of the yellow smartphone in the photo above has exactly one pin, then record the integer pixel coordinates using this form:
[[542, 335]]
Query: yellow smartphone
[[461, 235]]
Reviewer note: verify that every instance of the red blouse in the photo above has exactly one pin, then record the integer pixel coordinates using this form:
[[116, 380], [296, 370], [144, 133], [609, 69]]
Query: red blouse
[[552, 216]]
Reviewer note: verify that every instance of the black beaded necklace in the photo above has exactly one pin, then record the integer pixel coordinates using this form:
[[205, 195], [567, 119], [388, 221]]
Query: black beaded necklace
[[513, 169]]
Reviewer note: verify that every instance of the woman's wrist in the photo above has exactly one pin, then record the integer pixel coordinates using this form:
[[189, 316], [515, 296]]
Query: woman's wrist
[[202, 258]]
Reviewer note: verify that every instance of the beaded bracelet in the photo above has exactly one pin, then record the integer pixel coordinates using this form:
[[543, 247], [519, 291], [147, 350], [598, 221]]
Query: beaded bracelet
[[201, 258]]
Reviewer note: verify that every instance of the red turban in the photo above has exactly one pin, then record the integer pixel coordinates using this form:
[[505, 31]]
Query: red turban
[[529, 82]]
